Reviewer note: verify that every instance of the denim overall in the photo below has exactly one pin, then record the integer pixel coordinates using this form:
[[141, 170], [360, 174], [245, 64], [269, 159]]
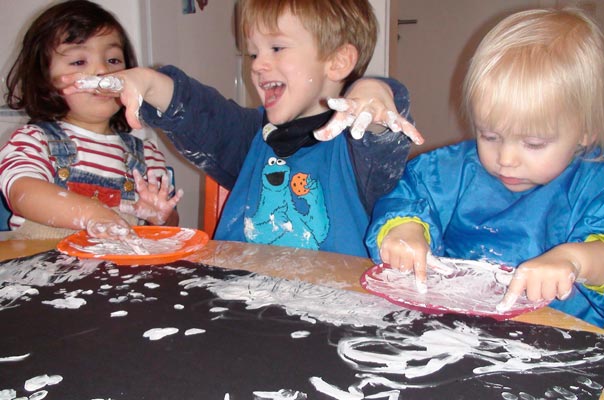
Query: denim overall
[[64, 150]]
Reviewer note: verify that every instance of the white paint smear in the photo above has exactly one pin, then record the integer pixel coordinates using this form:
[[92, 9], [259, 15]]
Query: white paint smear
[[165, 245], [19, 277], [71, 303], [41, 381], [194, 331], [283, 394], [120, 313], [392, 352], [306, 300], [159, 333], [300, 334], [14, 358], [469, 287], [7, 394]]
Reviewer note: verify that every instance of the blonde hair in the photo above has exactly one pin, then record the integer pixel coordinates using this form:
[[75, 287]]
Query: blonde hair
[[333, 23], [536, 71]]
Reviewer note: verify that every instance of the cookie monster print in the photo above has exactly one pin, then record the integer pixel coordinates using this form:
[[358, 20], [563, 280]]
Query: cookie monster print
[[285, 218]]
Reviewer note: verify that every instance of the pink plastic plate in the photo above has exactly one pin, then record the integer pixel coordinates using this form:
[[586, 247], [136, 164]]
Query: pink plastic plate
[[470, 287]]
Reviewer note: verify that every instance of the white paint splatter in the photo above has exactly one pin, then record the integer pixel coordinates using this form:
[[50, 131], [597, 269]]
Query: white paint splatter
[[14, 358], [300, 334], [7, 394], [194, 331], [19, 275], [71, 303], [283, 394], [38, 395], [120, 313], [179, 307], [41, 381], [151, 285], [159, 333]]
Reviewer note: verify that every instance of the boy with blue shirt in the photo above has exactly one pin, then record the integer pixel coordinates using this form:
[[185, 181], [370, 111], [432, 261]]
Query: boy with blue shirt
[[291, 183]]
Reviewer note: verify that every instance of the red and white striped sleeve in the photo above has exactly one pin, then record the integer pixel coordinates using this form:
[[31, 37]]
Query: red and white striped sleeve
[[25, 154]]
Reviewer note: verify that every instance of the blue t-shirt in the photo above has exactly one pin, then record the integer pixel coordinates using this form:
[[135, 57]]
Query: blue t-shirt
[[318, 198]]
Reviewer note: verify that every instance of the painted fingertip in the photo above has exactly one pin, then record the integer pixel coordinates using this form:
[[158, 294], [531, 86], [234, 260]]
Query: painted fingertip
[[338, 104], [506, 304], [360, 125], [421, 286], [392, 122]]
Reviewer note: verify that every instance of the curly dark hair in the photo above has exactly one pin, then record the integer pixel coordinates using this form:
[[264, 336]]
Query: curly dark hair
[[28, 81]]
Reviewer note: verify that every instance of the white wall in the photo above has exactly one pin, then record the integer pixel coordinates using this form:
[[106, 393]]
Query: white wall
[[431, 56]]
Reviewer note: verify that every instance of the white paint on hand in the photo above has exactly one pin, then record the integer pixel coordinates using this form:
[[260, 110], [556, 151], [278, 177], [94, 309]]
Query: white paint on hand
[[107, 83]]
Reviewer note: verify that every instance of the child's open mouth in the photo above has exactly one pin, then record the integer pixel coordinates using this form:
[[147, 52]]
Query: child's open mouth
[[272, 92]]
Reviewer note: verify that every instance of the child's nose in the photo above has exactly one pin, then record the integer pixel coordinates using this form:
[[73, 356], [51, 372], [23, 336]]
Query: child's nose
[[260, 63], [100, 68], [508, 155]]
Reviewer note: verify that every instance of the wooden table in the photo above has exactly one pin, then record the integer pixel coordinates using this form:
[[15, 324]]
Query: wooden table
[[321, 268]]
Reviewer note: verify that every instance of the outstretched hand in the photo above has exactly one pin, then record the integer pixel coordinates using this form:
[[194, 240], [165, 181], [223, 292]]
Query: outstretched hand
[[368, 102], [154, 203]]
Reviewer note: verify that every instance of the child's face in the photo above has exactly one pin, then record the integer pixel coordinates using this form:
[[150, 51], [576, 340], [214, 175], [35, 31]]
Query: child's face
[[287, 73], [524, 162], [100, 54]]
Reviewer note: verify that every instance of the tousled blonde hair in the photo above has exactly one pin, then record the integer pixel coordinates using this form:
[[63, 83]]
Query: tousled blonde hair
[[333, 23], [537, 71]]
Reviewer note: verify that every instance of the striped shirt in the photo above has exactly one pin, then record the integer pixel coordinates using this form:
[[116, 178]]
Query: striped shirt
[[27, 154]]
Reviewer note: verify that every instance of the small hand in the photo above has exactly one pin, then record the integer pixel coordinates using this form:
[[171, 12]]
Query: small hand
[[108, 228], [406, 249], [154, 203], [359, 118], [121, 84], [543, 278]]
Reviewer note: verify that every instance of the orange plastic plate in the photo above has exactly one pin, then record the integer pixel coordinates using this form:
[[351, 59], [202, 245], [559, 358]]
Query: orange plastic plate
[[72, 245]]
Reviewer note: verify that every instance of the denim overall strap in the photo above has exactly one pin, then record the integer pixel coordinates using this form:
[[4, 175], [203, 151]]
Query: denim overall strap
[[135, 158], [65, 152], [62, 148]]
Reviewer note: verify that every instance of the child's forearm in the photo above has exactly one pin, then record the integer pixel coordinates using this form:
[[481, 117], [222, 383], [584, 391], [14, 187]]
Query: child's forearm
[[48, 204]]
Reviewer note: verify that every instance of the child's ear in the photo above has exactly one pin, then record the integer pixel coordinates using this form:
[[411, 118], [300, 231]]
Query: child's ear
[[342, 62]]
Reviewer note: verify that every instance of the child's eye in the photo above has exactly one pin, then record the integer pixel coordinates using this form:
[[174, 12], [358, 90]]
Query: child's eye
[[535, 145], [489, 137], [78, 63], [277, 49], [252, 56], [115, 61]]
